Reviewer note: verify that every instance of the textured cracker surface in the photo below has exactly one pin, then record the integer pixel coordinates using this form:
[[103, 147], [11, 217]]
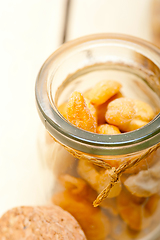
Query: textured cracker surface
[[37, 223]]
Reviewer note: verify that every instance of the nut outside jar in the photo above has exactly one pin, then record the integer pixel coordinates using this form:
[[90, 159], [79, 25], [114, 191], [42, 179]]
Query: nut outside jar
[[105, 171]]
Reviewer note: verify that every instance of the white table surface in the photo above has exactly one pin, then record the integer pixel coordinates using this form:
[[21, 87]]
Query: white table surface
[[30, 30]]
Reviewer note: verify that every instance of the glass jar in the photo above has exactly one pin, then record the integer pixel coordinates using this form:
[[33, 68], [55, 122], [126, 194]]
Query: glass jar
[[78, 161]]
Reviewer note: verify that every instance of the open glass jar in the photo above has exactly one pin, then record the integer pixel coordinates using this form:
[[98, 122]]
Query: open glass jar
[[79, 160]]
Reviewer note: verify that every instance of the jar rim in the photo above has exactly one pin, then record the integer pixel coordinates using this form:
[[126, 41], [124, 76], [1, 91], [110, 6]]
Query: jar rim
[[84, 141]]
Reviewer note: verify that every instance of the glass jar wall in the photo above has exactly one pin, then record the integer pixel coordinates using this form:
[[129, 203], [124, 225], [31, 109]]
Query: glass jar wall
[[84, 164]]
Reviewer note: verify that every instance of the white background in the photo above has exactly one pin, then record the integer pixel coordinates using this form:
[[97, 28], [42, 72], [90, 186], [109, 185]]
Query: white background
[[30, 30]]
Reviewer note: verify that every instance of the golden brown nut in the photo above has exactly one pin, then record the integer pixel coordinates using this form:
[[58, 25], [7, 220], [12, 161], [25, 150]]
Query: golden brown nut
[[101, 109], [79, 203], [144, 111], [102, 91], [88, 172], [120, 112], [108, 129], [135, 124], [151, 205], [130, 210], [143, 114], [97, 180], [79, 114], [137, 212], [39, 223]]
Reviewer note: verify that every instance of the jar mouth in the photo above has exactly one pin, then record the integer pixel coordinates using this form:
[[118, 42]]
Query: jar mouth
[[78, 139]]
